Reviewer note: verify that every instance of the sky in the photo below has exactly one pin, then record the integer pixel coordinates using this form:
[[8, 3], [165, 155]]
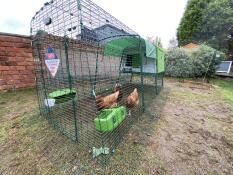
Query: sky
[[148, 17]]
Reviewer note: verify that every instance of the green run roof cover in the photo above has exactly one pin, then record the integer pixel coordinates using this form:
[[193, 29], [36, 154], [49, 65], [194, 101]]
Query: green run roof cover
[[117, 46], [150, 50]]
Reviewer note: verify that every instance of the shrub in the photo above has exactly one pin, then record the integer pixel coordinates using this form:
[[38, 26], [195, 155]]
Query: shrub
[[198, 62], [205, 61], [178, 63]]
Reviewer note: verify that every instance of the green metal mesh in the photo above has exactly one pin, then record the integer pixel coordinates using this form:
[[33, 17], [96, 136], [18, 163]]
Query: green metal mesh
[[98, 56]]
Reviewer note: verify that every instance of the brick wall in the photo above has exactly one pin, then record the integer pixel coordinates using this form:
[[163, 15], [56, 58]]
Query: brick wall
[[16, 63]]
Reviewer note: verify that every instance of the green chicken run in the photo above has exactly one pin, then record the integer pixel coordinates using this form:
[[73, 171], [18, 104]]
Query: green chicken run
[[93, 73]]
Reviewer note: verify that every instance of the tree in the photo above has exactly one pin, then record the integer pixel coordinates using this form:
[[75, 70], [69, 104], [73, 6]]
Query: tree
[[191, 21], [173, 43], [150, 39], [216, 22], [155, 40], [207, 21]]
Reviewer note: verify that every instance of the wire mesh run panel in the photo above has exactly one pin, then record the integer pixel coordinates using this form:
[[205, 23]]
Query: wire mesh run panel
[[81, 54]]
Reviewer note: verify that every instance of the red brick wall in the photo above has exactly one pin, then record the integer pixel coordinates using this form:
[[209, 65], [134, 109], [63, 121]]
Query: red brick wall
[[16, 63]]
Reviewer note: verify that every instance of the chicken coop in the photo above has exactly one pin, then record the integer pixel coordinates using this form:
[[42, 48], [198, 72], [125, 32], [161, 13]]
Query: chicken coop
[[90, 71]]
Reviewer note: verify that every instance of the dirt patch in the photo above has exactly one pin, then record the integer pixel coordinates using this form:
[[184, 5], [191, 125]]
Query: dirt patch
[[195, 132]]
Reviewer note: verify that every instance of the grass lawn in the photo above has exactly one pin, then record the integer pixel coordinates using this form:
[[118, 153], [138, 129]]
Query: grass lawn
[[187, 129], [225, 89]]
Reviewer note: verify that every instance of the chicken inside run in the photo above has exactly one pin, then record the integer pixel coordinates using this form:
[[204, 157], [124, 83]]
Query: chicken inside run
[[92, 72]]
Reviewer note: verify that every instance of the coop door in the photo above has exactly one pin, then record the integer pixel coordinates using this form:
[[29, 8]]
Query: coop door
[[128, 61], [135, 60]]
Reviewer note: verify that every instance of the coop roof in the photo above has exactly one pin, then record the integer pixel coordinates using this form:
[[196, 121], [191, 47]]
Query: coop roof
[[101, 33], [119, 46]]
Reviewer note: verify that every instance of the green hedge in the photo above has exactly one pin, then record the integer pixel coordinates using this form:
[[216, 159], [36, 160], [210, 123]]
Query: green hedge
[[178, 63], [199, 62]]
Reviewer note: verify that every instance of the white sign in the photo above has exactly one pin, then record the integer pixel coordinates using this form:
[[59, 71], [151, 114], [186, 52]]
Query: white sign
[[52, 66], [52, 61], [49, 102]]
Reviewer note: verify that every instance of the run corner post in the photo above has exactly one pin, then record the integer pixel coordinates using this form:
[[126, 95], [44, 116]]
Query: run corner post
[[141, 74], [66, 47]]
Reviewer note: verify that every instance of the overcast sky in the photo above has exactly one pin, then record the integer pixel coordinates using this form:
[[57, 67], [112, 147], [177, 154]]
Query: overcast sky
[[147, 17]]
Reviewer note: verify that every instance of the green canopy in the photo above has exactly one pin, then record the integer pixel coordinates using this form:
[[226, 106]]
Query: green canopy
[[118, 46], [150, 50]]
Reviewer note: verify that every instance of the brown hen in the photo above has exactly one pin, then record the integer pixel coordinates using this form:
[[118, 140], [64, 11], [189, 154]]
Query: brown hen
[[133, 99], [108, 101], [118, 88]]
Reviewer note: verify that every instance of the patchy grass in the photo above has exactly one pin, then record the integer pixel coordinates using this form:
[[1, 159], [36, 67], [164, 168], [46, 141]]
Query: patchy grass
[[225, 89], [14, 105], [187, 129], [28, 145]]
